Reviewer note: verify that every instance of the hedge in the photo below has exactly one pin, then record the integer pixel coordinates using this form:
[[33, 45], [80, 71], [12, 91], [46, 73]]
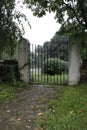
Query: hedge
[[53, 66]]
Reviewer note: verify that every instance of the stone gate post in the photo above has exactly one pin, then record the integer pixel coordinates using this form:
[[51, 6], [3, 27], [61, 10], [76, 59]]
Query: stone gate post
[[23, 59], [74, 63]]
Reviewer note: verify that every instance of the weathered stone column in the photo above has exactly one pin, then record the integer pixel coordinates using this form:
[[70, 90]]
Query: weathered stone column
[[74, 63], [23, 59]]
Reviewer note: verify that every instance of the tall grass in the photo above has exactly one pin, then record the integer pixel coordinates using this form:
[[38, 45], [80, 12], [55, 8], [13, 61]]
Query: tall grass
[[49, 79], [70, 113]]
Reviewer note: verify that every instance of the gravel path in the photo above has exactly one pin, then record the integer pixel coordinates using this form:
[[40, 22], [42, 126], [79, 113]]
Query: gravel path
[[21, 113]]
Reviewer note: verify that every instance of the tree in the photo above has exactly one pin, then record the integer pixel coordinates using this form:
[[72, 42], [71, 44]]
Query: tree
[[76, 10], [56, 47], [59, 46], [72, 15], [9, 30]]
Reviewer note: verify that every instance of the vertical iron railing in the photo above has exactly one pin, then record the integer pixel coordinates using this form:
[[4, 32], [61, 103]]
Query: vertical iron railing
[[50, 78], [47, 62], [44, 60], [41, 54], [35, 62]]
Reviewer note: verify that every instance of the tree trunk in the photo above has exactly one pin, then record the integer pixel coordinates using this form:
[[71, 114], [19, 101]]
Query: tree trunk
[[74, 64]]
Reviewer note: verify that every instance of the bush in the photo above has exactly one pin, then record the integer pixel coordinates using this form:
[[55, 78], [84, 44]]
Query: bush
[[54, 66]]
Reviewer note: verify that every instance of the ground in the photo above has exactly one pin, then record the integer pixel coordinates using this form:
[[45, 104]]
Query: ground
[[21, 113]]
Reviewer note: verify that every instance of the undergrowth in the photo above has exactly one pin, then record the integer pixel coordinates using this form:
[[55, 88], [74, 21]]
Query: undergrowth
[[68, 113], [8, 90]]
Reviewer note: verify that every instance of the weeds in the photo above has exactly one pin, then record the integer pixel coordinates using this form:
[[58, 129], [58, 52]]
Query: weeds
[[8, 90], [70, 113]]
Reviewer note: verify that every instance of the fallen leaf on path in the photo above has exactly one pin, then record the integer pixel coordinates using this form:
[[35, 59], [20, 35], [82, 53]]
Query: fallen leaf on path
[[39, 114], [29, 120], [18, 119], [8, 111], [32, 106], [28, 126]]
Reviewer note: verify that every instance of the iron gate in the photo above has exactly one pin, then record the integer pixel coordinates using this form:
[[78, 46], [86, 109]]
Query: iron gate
[[49, 64]]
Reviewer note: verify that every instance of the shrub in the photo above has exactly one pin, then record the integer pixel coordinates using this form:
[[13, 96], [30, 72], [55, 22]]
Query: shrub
[[54, 66]]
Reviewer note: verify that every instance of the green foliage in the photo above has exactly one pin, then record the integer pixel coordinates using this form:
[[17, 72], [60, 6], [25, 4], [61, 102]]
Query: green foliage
[[54, 66], [58, 47], [71, 14], [6, 93], [49, 79], [8, 90], [74, 31], [9, 30], [76, 10], [68, 113]]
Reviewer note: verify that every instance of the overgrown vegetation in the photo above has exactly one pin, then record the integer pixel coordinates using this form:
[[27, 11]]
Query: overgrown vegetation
[[68, 113], [10, 17], [49, 79], [8, 90]]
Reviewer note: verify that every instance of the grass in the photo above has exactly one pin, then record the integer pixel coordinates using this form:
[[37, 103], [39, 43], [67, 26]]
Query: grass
[[8, 90], [48, 79], [68, 113]]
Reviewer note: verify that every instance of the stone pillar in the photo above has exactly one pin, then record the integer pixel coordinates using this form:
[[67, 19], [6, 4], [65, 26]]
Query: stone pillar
[[74, 63], [23, 59]]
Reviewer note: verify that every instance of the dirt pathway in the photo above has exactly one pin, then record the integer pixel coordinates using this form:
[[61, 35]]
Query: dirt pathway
[[21, 113]]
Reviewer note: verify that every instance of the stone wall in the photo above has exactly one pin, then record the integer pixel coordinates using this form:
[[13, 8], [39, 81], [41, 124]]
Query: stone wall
[[9, 71], [83, 72]]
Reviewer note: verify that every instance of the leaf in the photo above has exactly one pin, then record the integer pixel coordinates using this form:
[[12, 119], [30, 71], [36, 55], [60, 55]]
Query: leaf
[[28, 126], [18, 119], [39, 114], [29, 120], [32, 106], [8, 111]]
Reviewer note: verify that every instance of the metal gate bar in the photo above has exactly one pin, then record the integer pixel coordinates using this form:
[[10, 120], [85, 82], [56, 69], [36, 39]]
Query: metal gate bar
[[40, 54]]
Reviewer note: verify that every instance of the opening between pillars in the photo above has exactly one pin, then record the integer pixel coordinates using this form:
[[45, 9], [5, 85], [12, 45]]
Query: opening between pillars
[[48, 64]]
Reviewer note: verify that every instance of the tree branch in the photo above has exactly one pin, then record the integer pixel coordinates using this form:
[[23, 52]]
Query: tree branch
[[74, 14], [83, 11]]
